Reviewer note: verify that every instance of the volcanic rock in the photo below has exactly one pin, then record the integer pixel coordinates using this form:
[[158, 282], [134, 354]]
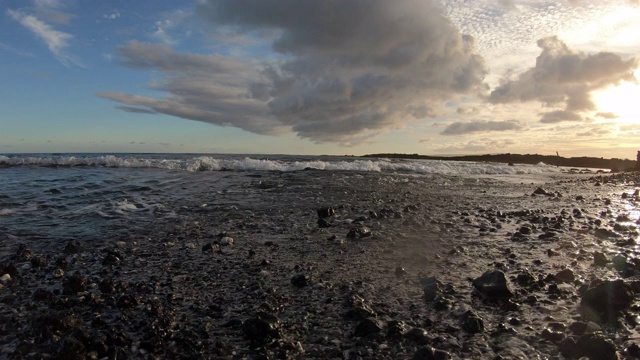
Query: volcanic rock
[[472, 323], [493, 285], [604, 301], [367, 327]]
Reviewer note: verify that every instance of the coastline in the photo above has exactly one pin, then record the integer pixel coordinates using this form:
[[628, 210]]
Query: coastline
[[613, 164], [389, 275]]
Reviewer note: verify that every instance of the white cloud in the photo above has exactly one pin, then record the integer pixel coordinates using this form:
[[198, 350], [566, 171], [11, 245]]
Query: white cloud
[[56, 41]]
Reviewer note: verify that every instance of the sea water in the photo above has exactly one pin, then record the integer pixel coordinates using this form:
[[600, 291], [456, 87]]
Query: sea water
[[98, 197]]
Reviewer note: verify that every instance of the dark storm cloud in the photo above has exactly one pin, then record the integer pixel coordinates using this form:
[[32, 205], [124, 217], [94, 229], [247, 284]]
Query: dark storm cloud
[[460, 128], [565, 77], [347, 70]]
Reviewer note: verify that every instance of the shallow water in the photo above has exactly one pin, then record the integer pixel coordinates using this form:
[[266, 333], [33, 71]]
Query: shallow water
[[95, 196]]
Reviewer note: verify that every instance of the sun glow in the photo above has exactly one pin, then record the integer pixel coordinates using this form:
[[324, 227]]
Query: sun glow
[[622, 100]]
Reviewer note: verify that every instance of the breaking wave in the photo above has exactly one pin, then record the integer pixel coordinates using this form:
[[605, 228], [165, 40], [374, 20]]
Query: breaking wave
[[284, 164]]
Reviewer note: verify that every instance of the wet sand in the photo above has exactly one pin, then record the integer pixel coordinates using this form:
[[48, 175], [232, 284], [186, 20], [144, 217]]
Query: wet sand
[[361, 265]]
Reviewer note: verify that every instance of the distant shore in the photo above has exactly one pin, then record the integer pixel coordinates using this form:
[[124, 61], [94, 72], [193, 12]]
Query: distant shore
[[613, 164]]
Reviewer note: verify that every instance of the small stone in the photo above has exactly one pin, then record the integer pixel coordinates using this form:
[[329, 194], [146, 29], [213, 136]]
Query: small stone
[[432, 288], [600, 259], [360, 232], [619, 262], [400, 271], [395, 328], [74, 284], [541, 191], [566, 276], [226, 241], [417, 335], [299, 281], [326, 212], [551, 335], [472, 323], [367, 327], [258, 329], [58, 273], [5, 279], [111, 259], [525, 230], [493, 285]]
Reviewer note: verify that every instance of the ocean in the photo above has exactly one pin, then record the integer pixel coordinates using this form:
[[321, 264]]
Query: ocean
[[101, 196]]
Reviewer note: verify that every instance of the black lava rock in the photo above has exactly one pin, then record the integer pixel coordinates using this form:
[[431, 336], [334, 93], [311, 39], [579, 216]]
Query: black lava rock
[[326, 212], [367, 327], [606, 300], [493, 285], [261, 328], [432, 288], [360, 232], [596, 347], [300, 281], [472, 323], [395, 328], [418, 336], [74, 284], [600, 259]]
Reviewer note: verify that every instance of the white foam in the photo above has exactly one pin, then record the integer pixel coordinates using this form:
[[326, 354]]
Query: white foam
[[209, 163]]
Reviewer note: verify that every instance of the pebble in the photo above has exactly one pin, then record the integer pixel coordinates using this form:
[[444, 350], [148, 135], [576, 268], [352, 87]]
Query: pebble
[[367, 327]]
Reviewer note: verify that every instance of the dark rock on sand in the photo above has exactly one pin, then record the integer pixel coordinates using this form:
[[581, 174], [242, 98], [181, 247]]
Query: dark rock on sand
[[262, 327], [595, 347], [74, 284], [566, 276], [326, 212], [360, 232], [604, 301], [429, 353], [472, 323], [73, 247], [395, 329], [300, 281], [493, 285], [432, 288], [367, 327], [418, 336], [599, 259], [111, 259]]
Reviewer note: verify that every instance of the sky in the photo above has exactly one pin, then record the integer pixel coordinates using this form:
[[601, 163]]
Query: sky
[[433, 77]]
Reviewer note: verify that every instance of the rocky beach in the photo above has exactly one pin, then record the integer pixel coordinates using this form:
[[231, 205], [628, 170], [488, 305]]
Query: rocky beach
[[316, 264]]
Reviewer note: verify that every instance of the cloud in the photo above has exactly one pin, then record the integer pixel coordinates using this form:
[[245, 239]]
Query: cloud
[[136, 110], [607, 115], [476, 146], [344, 71], [57, 41], [208, 88], [565, 77], [460, 128], [559, 116]]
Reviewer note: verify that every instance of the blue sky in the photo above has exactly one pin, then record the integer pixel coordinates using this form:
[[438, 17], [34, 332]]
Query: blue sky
[[320, 77]]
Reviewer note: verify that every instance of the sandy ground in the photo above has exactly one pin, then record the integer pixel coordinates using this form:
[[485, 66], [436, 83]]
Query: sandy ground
[[385, 270]]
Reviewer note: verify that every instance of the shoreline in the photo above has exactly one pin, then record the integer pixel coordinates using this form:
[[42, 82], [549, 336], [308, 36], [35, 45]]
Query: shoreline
[[613, 164], [390, 271]]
